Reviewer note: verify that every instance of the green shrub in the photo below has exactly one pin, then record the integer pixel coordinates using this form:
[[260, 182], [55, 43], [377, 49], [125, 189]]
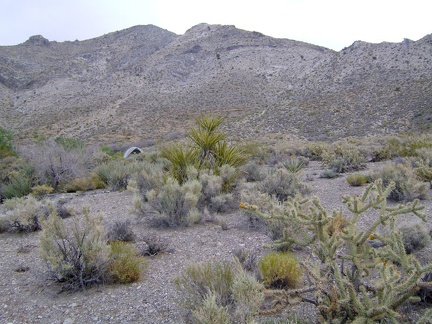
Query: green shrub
[[41, 191], [6, 148], [407, 186], [415, 237], [79, 184], [357, 180], [75, 256], [343, 158], [282, 184], [280, 270], [125, 263], [18, 185], [315, 150], [24, 214]]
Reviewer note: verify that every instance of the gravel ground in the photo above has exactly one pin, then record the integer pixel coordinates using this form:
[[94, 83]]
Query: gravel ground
[[27, 298]]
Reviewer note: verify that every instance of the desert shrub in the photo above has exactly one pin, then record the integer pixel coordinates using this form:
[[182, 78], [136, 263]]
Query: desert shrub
[[248, 296], [125, 264], [343, 158], [150, 177], [247, 259], [229, 175], [201, 279], [357, 180], [209, 312], [346, 275], [211, 186], [152, 245], [61, 209], [253, 172], [415, 237], [407, 186], [280, 270], [69, 143], [236, 295], [18, 185], [75, 256], [79, 184], [176, 203], [329, 174], [41, 191], [57, 164], [6, 148], [4, 223], [315, 150], [120, 231], [24, 214], [295, 165], [116, 173], [222, 203], [282, 184], [403, 145]]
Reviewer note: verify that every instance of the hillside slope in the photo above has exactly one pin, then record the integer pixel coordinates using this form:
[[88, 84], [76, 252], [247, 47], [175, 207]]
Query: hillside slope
[[146, 82]]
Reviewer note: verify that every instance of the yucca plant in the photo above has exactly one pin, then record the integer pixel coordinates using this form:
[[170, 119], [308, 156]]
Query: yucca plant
[[231, 155], [206, 137], [181, 157]]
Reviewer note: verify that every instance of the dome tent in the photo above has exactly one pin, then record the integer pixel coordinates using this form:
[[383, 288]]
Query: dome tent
[[132, 150]]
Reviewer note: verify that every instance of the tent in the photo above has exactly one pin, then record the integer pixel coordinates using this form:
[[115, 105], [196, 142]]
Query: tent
[[132, 150]]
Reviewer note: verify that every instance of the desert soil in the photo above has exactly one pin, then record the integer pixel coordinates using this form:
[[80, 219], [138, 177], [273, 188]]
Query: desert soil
[[26, 297]]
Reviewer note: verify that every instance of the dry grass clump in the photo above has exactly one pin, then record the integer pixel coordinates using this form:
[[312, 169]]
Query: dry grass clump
[[357, 180], [280, 270], [126, 265]]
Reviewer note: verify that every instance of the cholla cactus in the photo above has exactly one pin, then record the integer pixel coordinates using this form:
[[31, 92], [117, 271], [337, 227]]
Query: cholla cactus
[[352, 281]]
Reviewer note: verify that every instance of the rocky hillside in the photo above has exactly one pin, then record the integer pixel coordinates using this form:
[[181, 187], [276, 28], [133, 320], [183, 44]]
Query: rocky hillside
[[148, 83]]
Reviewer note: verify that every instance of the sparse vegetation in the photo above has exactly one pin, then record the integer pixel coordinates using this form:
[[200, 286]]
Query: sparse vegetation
[[407, 186]]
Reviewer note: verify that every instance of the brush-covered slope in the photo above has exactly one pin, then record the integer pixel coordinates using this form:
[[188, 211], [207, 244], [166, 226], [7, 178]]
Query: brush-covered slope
[[146, 82]]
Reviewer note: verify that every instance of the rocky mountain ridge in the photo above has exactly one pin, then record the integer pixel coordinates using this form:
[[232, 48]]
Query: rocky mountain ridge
[[148, 83]]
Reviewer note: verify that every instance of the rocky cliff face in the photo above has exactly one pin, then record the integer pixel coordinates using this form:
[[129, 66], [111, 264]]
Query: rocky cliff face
[[146, 82]]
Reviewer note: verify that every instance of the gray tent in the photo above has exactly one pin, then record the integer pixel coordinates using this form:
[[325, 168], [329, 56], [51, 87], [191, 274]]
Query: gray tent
[[132, 150]]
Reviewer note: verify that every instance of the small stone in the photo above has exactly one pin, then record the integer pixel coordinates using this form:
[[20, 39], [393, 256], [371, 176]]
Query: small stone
[[68, 320]]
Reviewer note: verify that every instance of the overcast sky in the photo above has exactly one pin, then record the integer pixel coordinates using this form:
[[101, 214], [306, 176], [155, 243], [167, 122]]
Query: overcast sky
[[331, 23]]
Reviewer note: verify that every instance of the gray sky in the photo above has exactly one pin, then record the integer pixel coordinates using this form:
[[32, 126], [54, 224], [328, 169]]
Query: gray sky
[[331, 23]]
